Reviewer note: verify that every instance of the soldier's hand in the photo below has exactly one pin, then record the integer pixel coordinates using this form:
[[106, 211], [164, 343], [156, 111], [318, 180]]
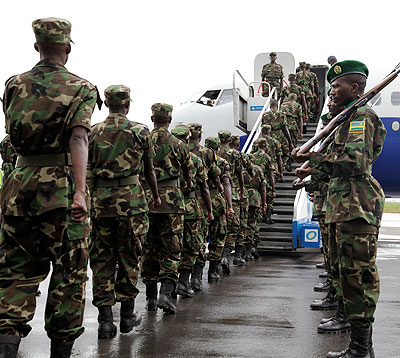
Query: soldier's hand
[[311, 197], [302, 173], [79, 207], [264, 208], [301, 136], [280, 178], [299, 158], [156, 202], [230, 213], [273, 194], [298, 184], [210, 216], [221, 188], [305, 118]]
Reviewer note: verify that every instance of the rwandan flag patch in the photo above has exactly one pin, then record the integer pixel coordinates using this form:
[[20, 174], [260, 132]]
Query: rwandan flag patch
[[357, 127]]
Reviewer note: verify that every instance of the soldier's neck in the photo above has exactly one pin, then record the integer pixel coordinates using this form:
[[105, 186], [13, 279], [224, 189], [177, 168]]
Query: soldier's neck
[[57, 59], [194, 140]]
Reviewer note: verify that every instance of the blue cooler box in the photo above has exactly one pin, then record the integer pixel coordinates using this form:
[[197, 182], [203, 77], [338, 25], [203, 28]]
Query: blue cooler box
[[310, 235]]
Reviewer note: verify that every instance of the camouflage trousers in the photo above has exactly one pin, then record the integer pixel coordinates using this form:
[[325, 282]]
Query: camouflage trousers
[[324, 228], [295, 135], [233, 226], [270, 198], [116, 240], [162, 247], [353, 246], [204, 231], [27, 247], [280, 137], [255, 215], [192, 243], [217, 237], [244, 215], [265, 88]]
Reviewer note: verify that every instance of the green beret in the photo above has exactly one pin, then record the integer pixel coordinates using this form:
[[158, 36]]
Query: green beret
[[273, 53], [162, 110], [182, 132], [235, 140], [195, 129], [224, 135], [52, 30], [213, 143], [348, 67], [117, 95], [265, 128]]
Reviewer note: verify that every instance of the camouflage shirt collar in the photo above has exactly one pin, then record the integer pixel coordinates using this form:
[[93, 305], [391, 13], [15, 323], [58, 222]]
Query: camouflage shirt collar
[[47, 63], [117, 116], [348, 105]]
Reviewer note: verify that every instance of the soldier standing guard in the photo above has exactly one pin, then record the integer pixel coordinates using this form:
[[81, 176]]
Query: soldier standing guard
[[273, 74], [355, 203], [162, 247], [118, 151], [44, 201]]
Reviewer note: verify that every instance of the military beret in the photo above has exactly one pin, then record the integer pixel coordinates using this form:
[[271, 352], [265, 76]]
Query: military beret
[[195, 128], [348, 67], [162, 110], [224, 134], [273, 53], [291, 75], [235, 139], [117, 95], [212, 142], [182, 132], [308, 65], [265, 128], [52, 30], [331, 58]]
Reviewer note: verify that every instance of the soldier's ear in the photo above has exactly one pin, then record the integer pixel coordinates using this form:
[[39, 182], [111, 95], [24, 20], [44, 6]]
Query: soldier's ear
[[68, 48], [36, 46]]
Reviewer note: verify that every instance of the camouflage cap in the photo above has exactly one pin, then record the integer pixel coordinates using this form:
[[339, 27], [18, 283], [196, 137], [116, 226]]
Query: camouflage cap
[[265, 128], [262, 142], [52, 30], [182, 132], [195, 129], [302, 64], [273, 53], [213, 143], [273, 102], [235, 140], [292, 96], [117, 95], [291, 76], [308, 65], [224, 135], [162, 110]]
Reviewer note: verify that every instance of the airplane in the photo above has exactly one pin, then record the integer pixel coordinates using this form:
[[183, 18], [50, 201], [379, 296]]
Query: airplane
[[238, 107]]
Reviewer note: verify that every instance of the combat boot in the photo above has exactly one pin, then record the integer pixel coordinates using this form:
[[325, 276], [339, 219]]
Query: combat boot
[[164, 299], [59, 349], [9, 345], [327, 303], [183, 288], [336, 324], [254, 251], [226, 255], [268, 219], [320, 265], [360, 345], [324, 274], [151, 296], [129, 318], [213, 275], [196, 280], [323, 287], [106, 329], [238, 259], [288, 166], [248, 256]]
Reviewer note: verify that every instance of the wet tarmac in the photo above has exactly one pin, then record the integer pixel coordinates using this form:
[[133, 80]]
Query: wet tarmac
[[262, 310]]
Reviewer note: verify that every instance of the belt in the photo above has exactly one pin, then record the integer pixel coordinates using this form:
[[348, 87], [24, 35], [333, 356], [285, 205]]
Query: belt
[[115, 182], [44, 160], [169, 182]]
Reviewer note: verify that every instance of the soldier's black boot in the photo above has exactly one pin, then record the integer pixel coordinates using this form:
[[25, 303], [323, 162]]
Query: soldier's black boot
[[226, 255], [129, 318], [213, 275], [288, 166], [9, 345], [238, 259], [360, 345], [248, 256], [336, 324], [327, 303], [268, 220], [107, 329], [164, 299], [183, 288], [196, 280], [254, 251], [151, 296], [59, 349], [323, 286], [320, 265]]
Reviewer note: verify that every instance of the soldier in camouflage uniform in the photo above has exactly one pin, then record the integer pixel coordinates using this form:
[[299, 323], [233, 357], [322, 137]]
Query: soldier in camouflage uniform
[[209, 159], [162, 247], [233, 158], [279, 129], [118, 151], [9, 157], [274, 150], [305, 81], [194, 216], [222, 208], [298, 91], [44, 200], [273, 74], [355, 203], [314, 88]]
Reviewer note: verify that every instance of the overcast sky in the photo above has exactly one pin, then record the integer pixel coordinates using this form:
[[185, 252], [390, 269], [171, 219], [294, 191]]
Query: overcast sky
[[167, 50]]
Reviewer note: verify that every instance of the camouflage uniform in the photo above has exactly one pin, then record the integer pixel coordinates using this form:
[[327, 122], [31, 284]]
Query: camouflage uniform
[[273, 74], [117, 147], [305, 81], [294, 117], [292, 88], [9, 157], [41, 108], [314, 89], [274, 148], [354, 208]]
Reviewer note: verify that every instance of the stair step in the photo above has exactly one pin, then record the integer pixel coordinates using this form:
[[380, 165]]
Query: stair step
[[272, 245], [283, 202], [277, 227], [276, 236]]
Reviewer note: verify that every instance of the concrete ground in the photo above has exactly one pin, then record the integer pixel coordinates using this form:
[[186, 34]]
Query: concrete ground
[[262, 310]]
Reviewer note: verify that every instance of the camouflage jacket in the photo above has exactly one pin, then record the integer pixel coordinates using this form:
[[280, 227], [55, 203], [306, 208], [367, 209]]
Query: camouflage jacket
[[274, 149], [293, 113], [306, 82], [234, 159], [219, 203], [314, 83], [209, 159], [292, 88], [277, 120], [254, 184], [272, 73], [263, 160], [117, 147], [9, 157], [41, 107], [352, 191], [171, 156]]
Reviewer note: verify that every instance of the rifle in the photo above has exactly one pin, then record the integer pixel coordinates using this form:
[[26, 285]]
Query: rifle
[[329, 131]]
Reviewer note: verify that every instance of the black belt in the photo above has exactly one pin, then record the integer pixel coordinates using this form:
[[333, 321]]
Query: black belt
[[44, 160], [115, 182]]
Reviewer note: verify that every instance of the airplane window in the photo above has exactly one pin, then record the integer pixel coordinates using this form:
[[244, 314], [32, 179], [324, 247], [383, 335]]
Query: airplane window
[[396, 98], [209, 97], [377, 100], [226, 97], [395, 126]]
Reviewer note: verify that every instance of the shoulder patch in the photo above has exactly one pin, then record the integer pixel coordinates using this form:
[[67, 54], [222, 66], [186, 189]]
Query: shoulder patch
[[357, 127]]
